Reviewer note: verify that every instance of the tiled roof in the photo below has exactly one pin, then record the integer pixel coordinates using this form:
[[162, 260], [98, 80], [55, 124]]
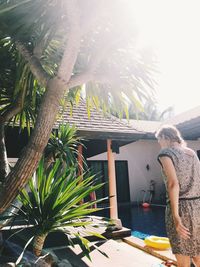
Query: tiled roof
[[101, 126], [98, 125], [187, 122], [185, 116]]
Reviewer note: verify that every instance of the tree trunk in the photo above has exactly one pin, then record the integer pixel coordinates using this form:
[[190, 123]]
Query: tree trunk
[[49, 108], [4, 165], [4, 170], [31, 155], [38, 243]]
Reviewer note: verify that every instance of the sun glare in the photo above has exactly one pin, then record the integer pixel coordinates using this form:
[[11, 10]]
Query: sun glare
[[171, 29]]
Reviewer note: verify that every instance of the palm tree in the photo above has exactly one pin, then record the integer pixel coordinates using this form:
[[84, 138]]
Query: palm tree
[[149, 111], [63, 46]]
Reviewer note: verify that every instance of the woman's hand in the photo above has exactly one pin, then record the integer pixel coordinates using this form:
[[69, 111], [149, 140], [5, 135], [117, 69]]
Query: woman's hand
[[182, 231]]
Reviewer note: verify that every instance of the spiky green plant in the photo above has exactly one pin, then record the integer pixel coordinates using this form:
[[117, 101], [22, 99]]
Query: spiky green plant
[[63, 145], [53, 204]]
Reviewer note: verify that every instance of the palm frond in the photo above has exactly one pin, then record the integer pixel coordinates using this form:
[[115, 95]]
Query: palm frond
[[63, 144]]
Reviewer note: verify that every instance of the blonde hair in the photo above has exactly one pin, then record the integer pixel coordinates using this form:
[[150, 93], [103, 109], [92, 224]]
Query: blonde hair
[[170, 133]]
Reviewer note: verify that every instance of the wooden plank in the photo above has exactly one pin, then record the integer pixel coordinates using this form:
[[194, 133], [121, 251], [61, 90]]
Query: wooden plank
[[162, 254]]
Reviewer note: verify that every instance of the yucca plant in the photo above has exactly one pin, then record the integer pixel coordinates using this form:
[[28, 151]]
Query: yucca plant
[[63, 145], [52, 204]]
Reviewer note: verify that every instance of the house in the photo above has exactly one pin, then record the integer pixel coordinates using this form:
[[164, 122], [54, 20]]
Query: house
[[141, 156], [123, 153]]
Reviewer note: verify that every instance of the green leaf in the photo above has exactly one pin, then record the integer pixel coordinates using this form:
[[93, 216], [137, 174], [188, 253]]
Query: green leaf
[[8, 7], [21, 255], [96, 234]]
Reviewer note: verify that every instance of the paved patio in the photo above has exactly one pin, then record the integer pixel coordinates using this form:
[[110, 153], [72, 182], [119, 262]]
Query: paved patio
[[120, 254], [164, 255], [122, 249]]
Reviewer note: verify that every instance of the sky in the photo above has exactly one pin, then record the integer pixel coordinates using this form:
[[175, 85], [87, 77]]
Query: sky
[[171, 29]]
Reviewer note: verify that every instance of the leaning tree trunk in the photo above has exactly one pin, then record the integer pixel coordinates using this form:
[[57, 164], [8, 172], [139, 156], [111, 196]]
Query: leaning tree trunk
[[38, 243], [31, 155], [4, 164], [55, 89]]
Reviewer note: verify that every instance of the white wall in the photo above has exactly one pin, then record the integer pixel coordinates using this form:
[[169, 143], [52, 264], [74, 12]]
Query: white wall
[[138, 155], [12, 161]]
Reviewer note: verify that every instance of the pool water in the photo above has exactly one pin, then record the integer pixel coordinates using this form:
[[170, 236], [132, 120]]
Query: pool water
[[149, 221]]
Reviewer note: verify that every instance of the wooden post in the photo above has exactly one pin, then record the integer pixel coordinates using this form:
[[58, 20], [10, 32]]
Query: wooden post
[[80, 165], [112, 181], [80, 160]]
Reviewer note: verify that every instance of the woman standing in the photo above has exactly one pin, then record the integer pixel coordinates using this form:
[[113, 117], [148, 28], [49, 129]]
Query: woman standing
[[181, 173]]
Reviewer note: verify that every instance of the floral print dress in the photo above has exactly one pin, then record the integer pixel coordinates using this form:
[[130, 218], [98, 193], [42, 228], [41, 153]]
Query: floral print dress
[[187, 168]]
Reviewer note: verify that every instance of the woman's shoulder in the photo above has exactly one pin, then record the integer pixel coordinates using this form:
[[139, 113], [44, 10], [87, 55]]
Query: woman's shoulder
[[166, 151]]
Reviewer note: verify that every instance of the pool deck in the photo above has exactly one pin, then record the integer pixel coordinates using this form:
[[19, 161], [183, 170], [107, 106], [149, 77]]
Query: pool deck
[[122, 249], [120, 254], [165, 255]]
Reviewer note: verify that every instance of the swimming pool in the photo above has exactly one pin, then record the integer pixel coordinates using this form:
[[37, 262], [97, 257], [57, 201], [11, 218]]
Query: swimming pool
[[149, 221], [146, 220]]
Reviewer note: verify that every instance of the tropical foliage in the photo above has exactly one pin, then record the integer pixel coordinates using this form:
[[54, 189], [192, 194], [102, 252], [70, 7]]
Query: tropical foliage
[[58, 46], [19, 89], [63, 145], [19, 95], [149, 111], [52, 203]]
